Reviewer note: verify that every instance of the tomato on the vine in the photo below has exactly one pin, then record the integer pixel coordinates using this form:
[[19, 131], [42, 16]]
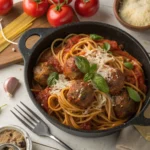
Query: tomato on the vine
[[86, 8], [5, 6], [59, 14], [35, 8], [60, 1]]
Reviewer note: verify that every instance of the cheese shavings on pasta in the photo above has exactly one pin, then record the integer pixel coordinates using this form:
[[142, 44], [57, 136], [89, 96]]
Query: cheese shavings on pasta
[[101, 58], [60, 84], [101, 100]]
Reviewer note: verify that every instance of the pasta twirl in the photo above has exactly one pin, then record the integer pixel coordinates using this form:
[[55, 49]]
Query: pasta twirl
[[59, 83]]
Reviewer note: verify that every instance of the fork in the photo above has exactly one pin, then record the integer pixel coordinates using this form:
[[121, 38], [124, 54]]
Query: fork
[[37, 125]]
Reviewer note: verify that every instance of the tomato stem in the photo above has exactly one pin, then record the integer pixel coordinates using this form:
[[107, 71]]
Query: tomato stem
[[66, 1], [52, 1], [58, 6], [86, 1], [38, 1]]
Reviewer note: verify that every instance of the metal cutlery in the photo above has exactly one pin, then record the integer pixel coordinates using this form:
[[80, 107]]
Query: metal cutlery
[[36, 124]]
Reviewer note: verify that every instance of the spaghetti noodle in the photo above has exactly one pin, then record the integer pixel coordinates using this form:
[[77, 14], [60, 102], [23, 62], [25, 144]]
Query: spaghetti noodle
[[13, 30], [59, 83]]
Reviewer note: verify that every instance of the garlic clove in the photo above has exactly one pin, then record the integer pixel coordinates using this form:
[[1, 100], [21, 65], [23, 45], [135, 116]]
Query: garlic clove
[[10, 85]]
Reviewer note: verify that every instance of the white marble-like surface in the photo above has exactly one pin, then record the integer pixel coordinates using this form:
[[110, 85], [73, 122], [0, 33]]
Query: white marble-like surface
[[6, 117], [105, 14]]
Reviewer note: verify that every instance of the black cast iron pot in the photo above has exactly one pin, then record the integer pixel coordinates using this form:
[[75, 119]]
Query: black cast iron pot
[[47, 35]]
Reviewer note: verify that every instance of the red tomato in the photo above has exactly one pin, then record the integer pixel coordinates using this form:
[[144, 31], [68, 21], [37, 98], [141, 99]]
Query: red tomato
[[57, 15], [5, 6], [35, 8], [61, 1], [86, 8]]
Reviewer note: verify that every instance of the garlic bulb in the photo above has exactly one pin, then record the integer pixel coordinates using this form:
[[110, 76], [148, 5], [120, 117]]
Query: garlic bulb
[[10, 85]]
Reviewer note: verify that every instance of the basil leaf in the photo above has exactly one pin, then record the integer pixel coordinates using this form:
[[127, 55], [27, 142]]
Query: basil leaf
[[93, 68], [106, 46], [82, 63], [88, 76], [100, 83], [128, 65], [134, 95], [95, 37], [52, 78]]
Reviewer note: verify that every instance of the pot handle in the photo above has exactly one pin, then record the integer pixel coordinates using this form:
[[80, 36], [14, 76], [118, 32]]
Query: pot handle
[[41, 32], [141, 120]]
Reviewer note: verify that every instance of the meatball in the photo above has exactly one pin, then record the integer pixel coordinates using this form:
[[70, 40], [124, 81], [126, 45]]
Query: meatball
[[55, 63], [45, 55], [116, 81], [41, 73], [81, 94], [70, 69], [124, 106]]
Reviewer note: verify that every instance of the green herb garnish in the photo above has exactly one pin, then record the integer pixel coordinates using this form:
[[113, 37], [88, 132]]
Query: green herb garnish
[[93, 68], [52, 78], [82, 63], [100, 83], [95, 37], [88, 76], [128, 65], [106, 46], [134, 95], [90, 73]]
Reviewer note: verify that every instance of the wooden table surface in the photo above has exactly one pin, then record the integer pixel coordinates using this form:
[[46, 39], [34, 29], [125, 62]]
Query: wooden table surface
[[106, 15]]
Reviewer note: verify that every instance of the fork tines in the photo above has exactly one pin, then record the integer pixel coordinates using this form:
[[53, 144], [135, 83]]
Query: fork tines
[[29, 119], [34, 123]]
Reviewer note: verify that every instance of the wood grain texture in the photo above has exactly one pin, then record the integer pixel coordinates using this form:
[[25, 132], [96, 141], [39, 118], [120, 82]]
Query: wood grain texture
[[8, 57]]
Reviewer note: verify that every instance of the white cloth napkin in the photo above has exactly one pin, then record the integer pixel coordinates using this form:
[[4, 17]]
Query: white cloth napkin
[[130, 139]]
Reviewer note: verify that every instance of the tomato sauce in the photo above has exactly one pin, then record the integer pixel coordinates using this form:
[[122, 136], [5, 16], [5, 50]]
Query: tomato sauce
[[113, 44], [54, 62], [140, 78], [137, 70], [71, 41], [86, 126], [42, 98]]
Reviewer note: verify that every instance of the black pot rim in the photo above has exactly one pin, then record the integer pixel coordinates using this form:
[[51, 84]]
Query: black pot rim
[[67, 128]]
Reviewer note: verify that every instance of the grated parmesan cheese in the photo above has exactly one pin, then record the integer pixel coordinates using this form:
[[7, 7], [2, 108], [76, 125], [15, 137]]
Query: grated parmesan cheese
[[106, 72], [135, 12], [60, 84], [101, 101], [98, 56], [101, 58]]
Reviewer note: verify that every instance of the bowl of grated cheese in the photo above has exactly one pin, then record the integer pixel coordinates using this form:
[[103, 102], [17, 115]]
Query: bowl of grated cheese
[[133, 14]]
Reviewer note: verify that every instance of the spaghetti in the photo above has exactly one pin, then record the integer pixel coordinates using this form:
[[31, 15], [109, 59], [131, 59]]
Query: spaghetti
[[14, 30], [60, 84]]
